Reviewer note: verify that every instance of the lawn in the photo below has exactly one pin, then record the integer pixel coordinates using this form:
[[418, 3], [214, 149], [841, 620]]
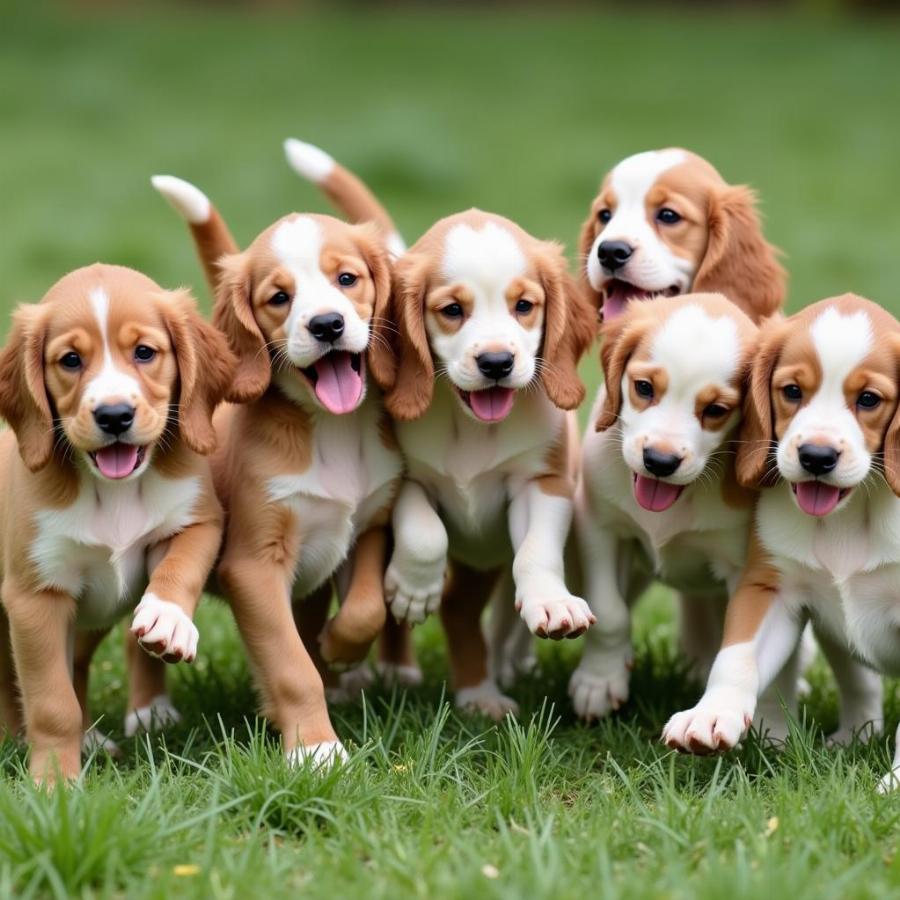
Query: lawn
[[440, 109]]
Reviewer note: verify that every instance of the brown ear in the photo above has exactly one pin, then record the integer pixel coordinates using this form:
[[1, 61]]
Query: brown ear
[[892, 437], [757, 430], [206, 370], [569, 329], [409, 379], [233, 316], [586, 239], [380, 356], [23, 393], [738, 262], [620, 339]]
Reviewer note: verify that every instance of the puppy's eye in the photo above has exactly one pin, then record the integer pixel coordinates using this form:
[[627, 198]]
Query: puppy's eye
[[347, 279], [279, 299], [644, 389], [604, 215], [523, 307], [667, 216], [715, 411], [452, 311], [71, 361], [868, 400], [792, 392], [143, 353]]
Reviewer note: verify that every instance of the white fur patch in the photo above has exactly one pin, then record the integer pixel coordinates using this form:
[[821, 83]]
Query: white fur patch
[[111, 383], [186, 199], [158, 621], [160, 713], [308, 161], [325, 753]]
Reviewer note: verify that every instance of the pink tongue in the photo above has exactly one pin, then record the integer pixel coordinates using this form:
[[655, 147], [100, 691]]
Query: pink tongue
[[816, 498], [117, 460], [655, 495], [618, 293], [339, 385], [492, 404]]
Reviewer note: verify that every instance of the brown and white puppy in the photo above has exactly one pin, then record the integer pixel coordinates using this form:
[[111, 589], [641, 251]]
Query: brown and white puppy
[[109, 385], [308, 466], [822, 437], [665, 222]]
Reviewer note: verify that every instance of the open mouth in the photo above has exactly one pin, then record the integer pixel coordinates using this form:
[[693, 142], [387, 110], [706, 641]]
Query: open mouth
[[655, 495], [491, 404], [617, 293], [337, 380], [118, 460], [817, 498]]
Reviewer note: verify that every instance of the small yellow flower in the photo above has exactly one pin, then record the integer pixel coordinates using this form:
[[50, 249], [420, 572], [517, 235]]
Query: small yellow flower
[[771, 826], [400, 767], [490, 871], [186, 870]]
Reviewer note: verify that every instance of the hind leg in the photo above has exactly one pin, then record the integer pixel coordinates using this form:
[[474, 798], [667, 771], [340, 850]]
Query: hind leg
[[11, 720], [149, 706], [396, 655], [86, 644], [512, 650]]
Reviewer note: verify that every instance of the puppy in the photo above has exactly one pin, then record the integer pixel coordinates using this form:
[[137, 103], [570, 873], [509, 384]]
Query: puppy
[[308, 465], [822, 437], [109, 385], [665, 222]]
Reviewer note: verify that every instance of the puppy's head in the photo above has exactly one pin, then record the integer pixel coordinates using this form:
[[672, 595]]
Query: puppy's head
[[482, 303], [675, 370], [665, 223], [821, 410], [110, 368], [301, 306]]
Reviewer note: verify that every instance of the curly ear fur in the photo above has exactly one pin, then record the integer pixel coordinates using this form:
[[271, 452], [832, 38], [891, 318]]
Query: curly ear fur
[[757, 431], [408, 378], [569, 329], [621, 337], [206, 370], [586, 238], [738, 262], [892, 437], [23, 393]]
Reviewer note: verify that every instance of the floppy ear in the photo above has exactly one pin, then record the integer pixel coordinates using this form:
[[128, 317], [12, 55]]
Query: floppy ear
[[206, 370], [757, 431], [569, 328], [408, 379], [233, 316], [23, 393], [380, 355], [620, 339], [586, 239], [739, 262], [892, 437]]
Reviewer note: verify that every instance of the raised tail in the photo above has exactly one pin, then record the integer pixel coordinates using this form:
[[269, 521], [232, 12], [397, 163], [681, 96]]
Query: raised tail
[[211, 236], [344, 189]]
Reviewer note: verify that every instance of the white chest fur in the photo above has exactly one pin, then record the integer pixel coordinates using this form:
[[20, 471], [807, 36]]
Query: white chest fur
[[96, 549], [352, 475]]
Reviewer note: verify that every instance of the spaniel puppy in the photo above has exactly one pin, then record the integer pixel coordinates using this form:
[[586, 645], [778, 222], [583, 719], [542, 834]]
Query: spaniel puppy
[[308, 465], [665, 222], [107, 501], [822, 437]]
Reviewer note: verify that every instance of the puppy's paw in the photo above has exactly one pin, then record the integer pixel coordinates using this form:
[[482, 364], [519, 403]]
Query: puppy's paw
[[889, 783], [597, 690], [341, 650], [163, 630], [413, 589], [325, 754], [564, 616], [95, 740], [399, 674], [487, 699], [714, 725], [350, 684], [159, 714]]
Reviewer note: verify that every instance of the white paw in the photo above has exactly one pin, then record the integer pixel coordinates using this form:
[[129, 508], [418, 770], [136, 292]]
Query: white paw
[[158, 715], [600, 687], [716, 723], [351, 684], [94, 739], [163, 630], [510, 669], [486, 698], [888, 783], [401, 675], [565, 616], [863, 733], [413, 588], [323, 754]]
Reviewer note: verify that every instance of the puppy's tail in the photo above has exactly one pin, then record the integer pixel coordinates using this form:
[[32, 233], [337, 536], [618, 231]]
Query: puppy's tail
[[344, 189], [211, 236]]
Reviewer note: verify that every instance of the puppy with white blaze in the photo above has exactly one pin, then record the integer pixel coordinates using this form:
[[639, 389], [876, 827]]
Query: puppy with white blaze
[[822, 439]]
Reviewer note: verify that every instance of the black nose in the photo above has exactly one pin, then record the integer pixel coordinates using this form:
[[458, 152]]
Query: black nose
[[818, 459], [115, 418], [327, 328], [614, 254], [660, 464], [495, 365]]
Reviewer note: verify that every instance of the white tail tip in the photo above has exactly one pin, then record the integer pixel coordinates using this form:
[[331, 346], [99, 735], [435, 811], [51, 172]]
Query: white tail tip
[[188, 201], [307, 160]]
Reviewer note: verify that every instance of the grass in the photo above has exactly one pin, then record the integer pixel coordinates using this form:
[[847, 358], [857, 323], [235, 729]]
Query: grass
[[439, 109]]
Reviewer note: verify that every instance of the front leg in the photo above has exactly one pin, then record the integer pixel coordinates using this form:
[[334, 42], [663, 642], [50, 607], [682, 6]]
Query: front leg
[[539, 521], [40, 624], [414, 581]]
